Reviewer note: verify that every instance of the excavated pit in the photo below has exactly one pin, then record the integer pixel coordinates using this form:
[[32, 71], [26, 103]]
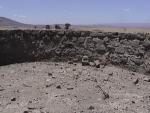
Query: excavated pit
[[127, 50], [66, 86]]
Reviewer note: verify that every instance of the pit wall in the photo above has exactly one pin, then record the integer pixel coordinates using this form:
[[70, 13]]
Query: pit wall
[[128, 50]]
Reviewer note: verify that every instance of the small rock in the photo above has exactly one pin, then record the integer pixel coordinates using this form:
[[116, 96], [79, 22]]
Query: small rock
[[75, 60], [97, 63], [58, 87], [106, 96], [136, 81], [2, 75], [53, 77], [70, 62], [34, 66], [70, 88], [120, 50], [85, 60], [137, 61], [13, 99], [106, 39], [146, 79], [56, 64], [25, 71], [133, 102], [91, 108], [48, 85], [92, 64], [26, 112], [50, 74], [111, 74], [26, 85], [2, 89]]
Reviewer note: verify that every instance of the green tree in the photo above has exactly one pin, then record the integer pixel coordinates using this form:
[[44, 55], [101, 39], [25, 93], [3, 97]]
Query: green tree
[[35, 27], [47, 26], [57, 26], [67, 26]]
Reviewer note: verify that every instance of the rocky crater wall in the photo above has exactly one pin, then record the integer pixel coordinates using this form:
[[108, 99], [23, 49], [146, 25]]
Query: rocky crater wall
[[128, 50]]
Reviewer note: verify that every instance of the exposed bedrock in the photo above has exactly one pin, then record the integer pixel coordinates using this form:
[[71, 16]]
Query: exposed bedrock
[[128, 50]]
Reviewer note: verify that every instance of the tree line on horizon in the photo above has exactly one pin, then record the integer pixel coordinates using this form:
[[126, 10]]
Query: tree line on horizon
[[56, 26]]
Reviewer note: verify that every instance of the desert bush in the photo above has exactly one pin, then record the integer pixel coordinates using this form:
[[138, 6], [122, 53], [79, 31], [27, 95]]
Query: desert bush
[[67, 26], [57, 26], [47, 26]]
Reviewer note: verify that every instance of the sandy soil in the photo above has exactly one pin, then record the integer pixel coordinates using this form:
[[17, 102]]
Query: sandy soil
[[120, 30], [46, 87]]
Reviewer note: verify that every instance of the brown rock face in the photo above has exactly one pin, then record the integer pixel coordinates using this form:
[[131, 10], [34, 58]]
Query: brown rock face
[[123, 49]]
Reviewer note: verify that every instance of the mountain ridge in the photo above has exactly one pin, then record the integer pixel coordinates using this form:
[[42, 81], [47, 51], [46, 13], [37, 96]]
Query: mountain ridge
[[6, 22]]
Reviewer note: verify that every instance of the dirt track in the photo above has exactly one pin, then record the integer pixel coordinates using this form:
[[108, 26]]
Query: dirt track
[[46, 87]]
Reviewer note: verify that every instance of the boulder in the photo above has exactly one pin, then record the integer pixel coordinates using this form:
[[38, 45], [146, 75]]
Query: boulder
[[114, 59], [134, 43], [146, 79], [137, 61], [136, 81], [120, 50], [97, 63], [85, 60], [81, 39], [101, 49], [95, 40], [91, 63], [106, 39], [146, 44]]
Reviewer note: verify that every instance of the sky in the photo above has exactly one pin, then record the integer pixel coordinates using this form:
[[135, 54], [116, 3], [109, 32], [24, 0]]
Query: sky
[[76, 11]]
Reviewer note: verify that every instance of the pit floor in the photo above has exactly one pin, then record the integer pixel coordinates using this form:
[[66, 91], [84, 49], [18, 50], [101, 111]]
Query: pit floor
[[50, 87]]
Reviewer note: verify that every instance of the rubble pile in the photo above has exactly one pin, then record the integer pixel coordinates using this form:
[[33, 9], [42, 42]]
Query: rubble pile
[[127, 50]]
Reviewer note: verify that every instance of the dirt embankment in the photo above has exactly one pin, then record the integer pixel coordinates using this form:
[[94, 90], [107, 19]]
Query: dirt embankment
[[127, 50]]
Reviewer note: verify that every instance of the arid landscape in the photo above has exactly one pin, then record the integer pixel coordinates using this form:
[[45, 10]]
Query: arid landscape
[[52, 87], [74, 56], [74, 71], [9, 24]]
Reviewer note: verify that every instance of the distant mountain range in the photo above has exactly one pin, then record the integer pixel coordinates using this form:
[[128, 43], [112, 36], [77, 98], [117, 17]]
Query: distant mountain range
[[9, 23]]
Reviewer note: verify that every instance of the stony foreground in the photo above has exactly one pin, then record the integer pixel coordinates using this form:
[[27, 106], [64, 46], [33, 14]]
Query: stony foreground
[[45, 87]]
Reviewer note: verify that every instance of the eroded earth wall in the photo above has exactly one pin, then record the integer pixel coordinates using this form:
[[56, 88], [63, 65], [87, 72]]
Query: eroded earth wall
[[129, 50]]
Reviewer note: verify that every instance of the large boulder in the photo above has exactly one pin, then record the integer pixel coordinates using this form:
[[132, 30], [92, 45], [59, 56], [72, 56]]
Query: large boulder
[[146, 44], [134, 43], [101, 49], [137, 61]]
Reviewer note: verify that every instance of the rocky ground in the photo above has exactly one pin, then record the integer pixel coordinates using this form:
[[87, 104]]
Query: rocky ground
[[128, 50], [51, 87]]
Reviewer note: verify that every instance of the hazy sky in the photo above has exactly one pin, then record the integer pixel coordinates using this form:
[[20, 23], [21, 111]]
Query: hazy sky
[[76, 11]]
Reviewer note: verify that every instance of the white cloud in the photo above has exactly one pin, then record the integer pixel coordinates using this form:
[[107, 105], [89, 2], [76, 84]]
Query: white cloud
[[126, 9]]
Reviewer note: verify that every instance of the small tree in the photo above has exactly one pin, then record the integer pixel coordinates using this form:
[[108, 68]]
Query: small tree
[[47, 26], [57, 26], [67, 26], [35, 27]]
